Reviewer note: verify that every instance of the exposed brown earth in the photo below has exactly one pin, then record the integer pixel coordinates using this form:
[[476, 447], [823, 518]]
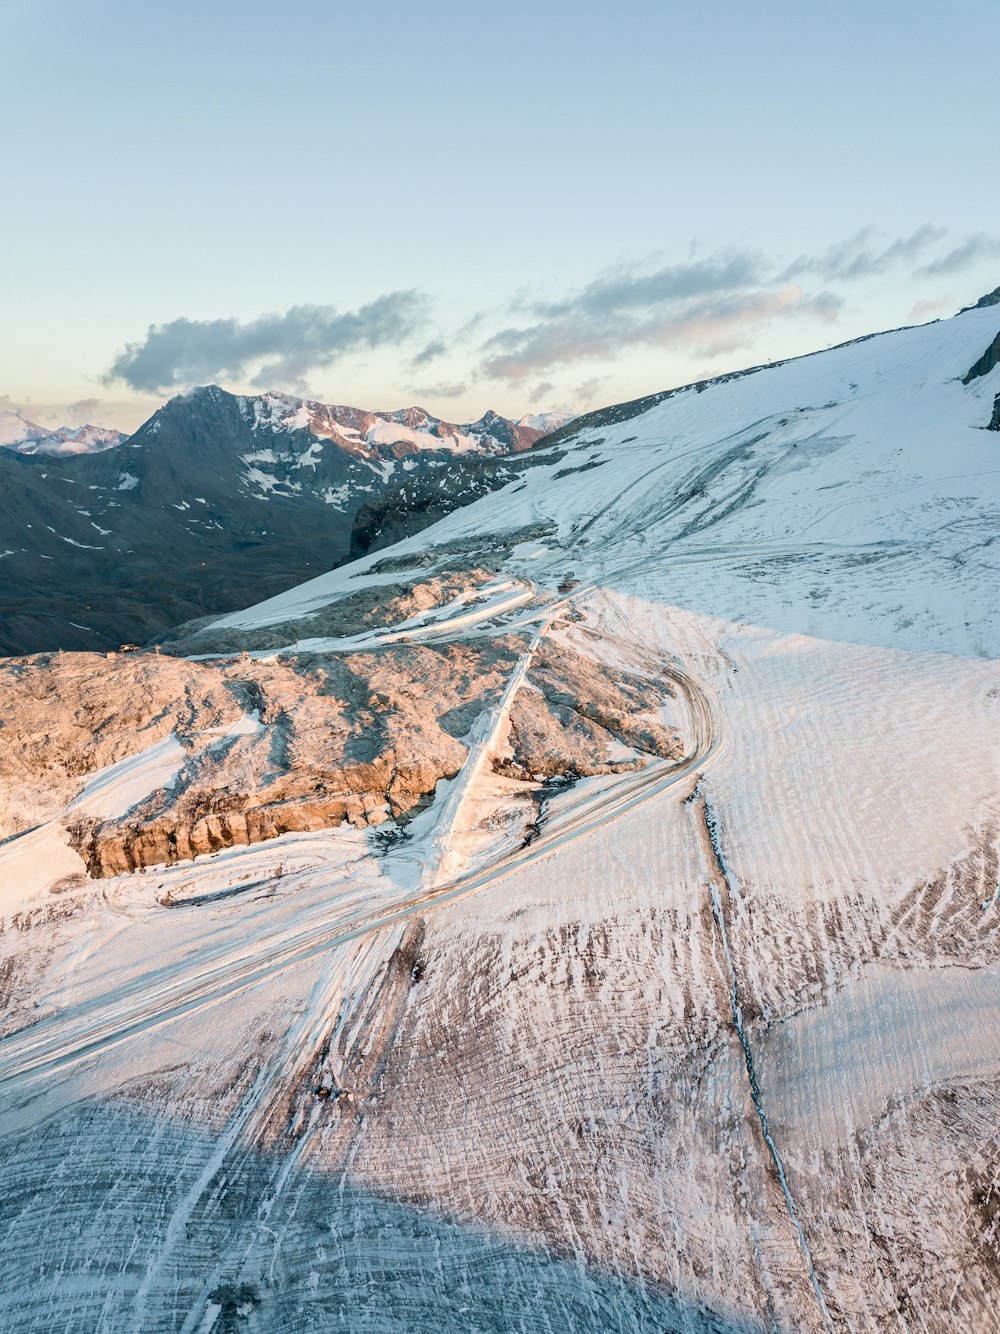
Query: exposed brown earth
[[360, 737], [65, 715], [578, 708]]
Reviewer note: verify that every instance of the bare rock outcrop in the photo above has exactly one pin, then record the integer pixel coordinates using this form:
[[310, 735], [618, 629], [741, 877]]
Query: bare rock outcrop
[[360, 739], [581, 716], [983, 366], [65, 715], [369, 608], [302, 741]]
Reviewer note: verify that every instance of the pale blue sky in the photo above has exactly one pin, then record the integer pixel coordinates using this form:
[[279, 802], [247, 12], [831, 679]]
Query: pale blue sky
[[560, 204]]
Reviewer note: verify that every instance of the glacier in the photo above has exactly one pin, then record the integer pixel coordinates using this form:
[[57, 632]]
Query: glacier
[[667, 1001]]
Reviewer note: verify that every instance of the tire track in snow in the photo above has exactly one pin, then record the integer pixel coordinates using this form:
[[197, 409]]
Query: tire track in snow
[[47, 1048], [330, 1006], [713, 837]]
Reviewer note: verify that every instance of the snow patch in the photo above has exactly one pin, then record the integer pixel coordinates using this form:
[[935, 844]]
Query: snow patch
[[113, 791]]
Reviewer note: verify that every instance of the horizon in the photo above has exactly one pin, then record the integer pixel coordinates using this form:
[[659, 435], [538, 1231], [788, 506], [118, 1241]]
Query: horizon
[[25, 413]]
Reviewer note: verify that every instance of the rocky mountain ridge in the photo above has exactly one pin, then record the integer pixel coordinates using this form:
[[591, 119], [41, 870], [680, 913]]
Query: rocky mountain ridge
[[214, 500], [17, 432]]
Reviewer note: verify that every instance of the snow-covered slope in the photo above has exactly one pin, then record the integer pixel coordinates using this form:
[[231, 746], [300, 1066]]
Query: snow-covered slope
[[851, 494], [546, 422], [665, 995]]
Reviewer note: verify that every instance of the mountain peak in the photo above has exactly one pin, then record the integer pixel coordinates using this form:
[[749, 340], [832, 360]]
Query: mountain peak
[[24, 436]]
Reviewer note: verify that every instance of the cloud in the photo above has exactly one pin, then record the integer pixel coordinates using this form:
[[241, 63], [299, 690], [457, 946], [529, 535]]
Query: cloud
[[709, 326], [863, 256], [280, 349], [919, 312], [623, 289], [447, 389], [434, 349], [586, 393], [980, 246], [82, 411], [708, 306]]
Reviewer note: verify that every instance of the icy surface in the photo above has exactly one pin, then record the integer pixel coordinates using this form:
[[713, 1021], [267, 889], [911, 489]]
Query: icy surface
[[710, 1044], [115, 790]]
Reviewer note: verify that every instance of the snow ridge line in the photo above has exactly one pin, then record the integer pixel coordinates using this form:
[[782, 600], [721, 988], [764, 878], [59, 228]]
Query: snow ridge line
[[757, 1097]]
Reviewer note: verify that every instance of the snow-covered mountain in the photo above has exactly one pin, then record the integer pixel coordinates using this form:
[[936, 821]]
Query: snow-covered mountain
[[546, 422], [218, 498], [395, 434], [27, 437], [583, 914]]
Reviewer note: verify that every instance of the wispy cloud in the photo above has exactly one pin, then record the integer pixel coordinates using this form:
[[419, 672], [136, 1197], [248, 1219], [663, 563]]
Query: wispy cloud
[[978, 247], [586, 392], [866, 254], [437, 347], [84, 410], [446, 389], [923, 310], [710, 325], [709, 306], [42, 414], [710, 298], [623, 288], [276, 350]]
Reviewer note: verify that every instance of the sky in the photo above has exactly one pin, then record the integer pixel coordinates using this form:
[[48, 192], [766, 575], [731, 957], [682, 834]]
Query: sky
[[477, 205]]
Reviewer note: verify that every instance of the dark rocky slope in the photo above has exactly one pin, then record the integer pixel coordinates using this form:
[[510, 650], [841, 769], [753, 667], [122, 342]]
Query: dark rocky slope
[[216, 502]]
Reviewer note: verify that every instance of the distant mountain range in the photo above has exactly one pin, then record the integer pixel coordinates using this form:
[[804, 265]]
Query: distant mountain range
[[27, 437], [216, 500]]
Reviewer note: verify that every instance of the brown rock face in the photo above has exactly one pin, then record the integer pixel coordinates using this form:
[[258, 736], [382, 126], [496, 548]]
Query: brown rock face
[[65, 715], [367, 609], [360, 738], [575, 715], [301, 742], [115, 849]]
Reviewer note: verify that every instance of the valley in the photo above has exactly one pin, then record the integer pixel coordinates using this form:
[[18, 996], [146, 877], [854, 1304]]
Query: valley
[[216, 499]]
